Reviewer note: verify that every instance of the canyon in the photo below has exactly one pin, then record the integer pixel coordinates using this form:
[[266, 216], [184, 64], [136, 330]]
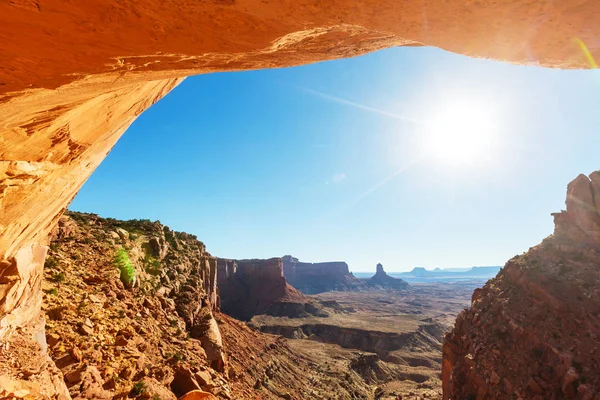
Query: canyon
[[75, 76], [166, 335]]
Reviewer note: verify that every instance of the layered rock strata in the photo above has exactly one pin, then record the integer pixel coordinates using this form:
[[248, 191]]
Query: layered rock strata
[[312, 278], [251, 287]]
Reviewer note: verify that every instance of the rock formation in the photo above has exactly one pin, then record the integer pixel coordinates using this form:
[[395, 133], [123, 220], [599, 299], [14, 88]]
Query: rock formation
[[74, 77], [312, 278], [251, 287], [534, 330], [105, 337], [384, 281]]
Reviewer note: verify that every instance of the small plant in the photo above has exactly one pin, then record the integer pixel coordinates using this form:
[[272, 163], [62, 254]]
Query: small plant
[[155, 397], [59, 277], [121, 313], [138, 388], [53, 291], [124, 265], [50, 262]]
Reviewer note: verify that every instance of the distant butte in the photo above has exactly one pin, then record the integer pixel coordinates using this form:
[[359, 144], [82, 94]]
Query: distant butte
[[383, 280]]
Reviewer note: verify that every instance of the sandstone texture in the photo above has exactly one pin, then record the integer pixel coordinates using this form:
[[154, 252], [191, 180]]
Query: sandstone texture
[[312, 278], [533, 332]]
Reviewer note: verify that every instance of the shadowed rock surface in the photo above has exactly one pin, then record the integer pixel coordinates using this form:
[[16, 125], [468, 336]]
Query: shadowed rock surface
[[251, 287], [534, 330]]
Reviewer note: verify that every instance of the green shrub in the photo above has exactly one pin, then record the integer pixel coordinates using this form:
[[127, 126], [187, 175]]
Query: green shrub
[[58, 277], [124, 265], [50, 262]]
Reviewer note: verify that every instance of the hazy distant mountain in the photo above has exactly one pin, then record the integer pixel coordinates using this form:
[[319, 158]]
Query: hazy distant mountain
[[474, 272]]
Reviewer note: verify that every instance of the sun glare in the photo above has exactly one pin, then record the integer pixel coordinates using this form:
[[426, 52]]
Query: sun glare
[[460, 133]]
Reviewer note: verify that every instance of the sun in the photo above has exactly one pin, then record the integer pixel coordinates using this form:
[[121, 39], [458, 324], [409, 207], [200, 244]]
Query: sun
[[460, 133]]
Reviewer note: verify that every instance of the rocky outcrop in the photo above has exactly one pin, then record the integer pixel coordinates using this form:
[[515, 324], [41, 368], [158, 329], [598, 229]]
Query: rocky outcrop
[[75, 76], [109, 340], [384, 281], [251, 287], [533, 331], [312, 278]]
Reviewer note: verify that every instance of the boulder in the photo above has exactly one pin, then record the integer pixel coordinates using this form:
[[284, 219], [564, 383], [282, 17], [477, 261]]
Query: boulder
[[152, 389], [184, 382], [123, 234], [198, 395]]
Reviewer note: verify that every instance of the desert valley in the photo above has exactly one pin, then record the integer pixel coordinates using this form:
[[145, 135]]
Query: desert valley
[[173, 331]]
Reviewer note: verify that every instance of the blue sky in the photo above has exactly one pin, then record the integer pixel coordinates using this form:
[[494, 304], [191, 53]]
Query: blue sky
[[334, 161]]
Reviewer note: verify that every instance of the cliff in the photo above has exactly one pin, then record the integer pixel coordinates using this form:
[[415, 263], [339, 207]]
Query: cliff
[[251, 287], [312, 278], [533, 331]]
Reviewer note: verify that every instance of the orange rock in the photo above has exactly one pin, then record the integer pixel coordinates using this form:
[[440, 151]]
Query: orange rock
[[198, 395]]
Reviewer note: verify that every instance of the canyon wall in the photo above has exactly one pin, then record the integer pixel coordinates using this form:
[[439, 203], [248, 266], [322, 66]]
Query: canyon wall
[[74, 76], [534, 330], [312, 278], [251, 287]]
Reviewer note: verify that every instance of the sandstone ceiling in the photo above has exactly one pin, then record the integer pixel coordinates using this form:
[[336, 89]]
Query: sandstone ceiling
[[48, 43]]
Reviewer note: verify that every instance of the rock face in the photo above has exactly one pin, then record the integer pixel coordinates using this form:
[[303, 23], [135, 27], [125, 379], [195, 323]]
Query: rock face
[[110, 61], [384, 281], [251, 287], [533, 331], [312, 278]]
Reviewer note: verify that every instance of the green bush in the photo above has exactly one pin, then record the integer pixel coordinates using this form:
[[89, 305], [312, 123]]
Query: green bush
[[59, 277], [50, 262], [124, 265]]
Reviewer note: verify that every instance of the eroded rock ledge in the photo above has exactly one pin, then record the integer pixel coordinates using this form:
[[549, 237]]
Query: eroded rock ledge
[[534, 330]]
